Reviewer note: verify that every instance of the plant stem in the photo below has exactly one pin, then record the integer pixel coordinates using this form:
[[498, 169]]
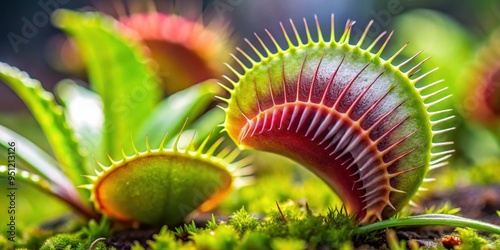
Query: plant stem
[[430, 219]]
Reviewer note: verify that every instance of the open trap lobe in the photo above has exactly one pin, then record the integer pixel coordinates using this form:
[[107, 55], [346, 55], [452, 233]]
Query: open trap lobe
[[357, 122]]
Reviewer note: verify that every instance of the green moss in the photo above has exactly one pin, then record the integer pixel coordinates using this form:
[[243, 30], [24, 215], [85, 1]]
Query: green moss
[[292, 226], [242, 221], [165, 239], [82, 239], [296, 222], [62, 241], [71, 242], [95, 230], [30, 238], [212, 224], [471, 240], [223, 237], [288, 225], [35, 238], [98, 246], [185, 231]]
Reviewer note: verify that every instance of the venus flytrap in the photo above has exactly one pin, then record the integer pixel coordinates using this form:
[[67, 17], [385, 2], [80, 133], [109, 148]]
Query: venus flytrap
[[365, 126], [156, 187], [198, 48], [481, 95], [354, 119]]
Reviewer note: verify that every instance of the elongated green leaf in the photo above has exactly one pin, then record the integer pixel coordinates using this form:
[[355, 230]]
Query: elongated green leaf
[[84, 111], [51, 118], [118, 71], [13, 176], [428, 220], [29, 155], [171, 114]]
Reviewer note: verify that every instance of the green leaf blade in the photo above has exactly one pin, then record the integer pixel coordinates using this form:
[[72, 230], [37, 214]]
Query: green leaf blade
[[430, 219], [33, 158], [51, 119], [119, 72], [34, 167], [69, 196]]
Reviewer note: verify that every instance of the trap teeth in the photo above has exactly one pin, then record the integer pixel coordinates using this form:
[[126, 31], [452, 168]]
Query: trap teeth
[[355, 120], [162, 186]]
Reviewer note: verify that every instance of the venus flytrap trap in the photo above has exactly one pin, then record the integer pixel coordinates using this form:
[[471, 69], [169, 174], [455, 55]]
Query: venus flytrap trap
[[354, 119], [141, 188], [481, 96], [362, 124], [198, 48]]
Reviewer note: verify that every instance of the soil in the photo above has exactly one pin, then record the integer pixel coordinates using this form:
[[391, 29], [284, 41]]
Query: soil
[[476, 202], [127, 239]]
